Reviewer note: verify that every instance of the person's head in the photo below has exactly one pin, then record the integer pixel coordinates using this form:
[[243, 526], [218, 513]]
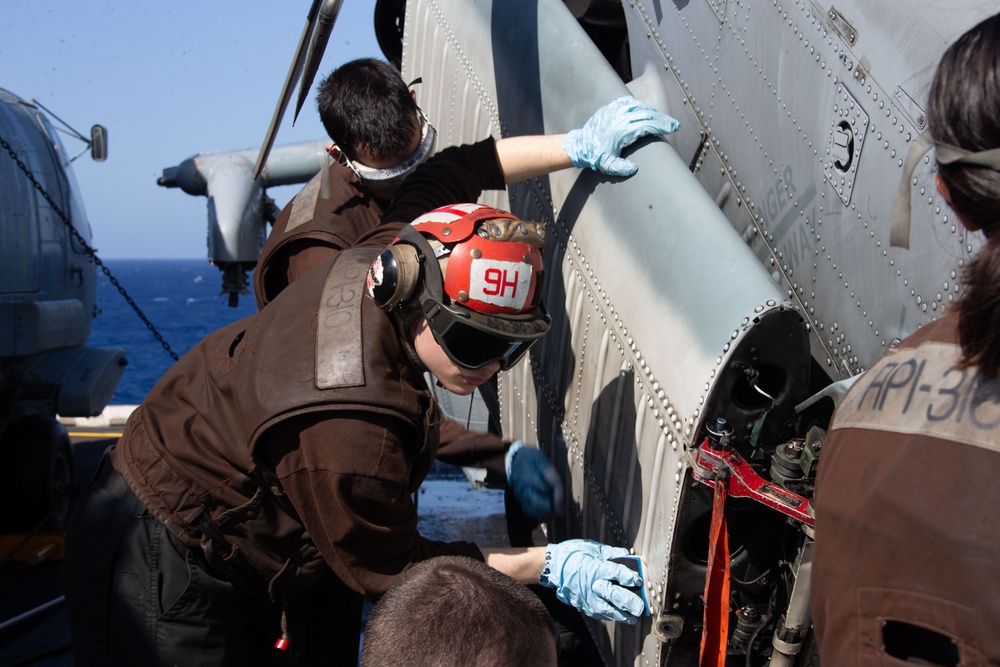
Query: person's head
[[464, 284], [456, 611], [963, 113], [374, 122]]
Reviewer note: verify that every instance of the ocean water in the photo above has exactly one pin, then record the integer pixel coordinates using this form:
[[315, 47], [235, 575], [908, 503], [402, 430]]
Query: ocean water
[[181, 299]]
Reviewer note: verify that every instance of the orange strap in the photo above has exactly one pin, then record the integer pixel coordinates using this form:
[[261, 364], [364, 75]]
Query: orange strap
[[715, 626]]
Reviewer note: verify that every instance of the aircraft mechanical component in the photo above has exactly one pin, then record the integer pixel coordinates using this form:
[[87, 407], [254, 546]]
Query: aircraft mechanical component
[[238, 205], [328, 13], [748, 622], [235, 220], [850, 127], [41, 326], [39, 253], [236, 229], [78, 381], [793, 628], [97, 144], [842, 26], [668, 627], [308, 54], [47, 293], [287, 165], [786, 462], [716, 459], [234, 280]]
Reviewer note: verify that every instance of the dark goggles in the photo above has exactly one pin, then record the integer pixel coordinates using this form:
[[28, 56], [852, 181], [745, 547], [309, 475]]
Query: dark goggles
[[471, 344]]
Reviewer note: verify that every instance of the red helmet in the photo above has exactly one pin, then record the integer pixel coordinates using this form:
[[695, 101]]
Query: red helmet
[[482, 298]]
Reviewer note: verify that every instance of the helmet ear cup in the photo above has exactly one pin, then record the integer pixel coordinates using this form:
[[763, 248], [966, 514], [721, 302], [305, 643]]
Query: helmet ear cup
[[394, 276]]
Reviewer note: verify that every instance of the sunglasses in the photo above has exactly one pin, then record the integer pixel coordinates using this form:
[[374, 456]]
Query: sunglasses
[[472, 345]]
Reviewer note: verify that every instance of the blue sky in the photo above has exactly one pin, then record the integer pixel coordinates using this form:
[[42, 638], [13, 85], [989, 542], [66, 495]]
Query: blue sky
[[167, 80]]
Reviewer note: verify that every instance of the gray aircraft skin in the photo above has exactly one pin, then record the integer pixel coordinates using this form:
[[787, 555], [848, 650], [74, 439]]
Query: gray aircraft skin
[[47, 305], [708, 311], [238, 205], [751, 262]]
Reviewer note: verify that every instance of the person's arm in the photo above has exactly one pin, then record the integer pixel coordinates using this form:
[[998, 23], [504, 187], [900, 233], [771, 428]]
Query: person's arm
[[597, 145], [521, 564], [349, 479], [583, 572], [460, 173], [526, 470], [348, 476], [522, 158], [463, 447]]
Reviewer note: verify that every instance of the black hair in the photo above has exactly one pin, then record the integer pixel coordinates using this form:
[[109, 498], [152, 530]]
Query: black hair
[[365, 105], [964, 111]]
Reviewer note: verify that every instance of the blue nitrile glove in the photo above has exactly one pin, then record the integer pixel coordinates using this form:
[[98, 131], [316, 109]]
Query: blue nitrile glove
[[582, 573], [533, 480], [615, 126]]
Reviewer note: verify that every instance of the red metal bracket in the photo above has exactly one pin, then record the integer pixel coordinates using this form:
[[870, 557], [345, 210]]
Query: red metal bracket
[[742, 481]]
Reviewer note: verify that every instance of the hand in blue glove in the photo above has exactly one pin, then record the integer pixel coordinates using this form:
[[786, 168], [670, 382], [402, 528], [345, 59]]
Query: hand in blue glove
[[533, 480], [583, 575], [615, 126]]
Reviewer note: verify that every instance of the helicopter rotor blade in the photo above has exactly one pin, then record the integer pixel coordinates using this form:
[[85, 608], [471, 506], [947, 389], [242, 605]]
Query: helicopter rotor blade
[[321, 35], [286, 90]]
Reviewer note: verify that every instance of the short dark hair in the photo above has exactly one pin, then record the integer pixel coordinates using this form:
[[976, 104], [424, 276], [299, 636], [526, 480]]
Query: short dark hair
[[365, 105], [455, 610], [964, 111]]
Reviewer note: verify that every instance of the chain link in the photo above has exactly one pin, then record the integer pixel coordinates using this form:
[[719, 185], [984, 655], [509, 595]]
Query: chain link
[[90, 251]]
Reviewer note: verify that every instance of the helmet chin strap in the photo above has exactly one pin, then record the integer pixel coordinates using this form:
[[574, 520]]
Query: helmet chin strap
[[406, 314], [405, 321]]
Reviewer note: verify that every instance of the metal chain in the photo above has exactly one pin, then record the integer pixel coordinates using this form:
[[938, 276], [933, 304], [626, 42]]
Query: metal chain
[[90, 251]]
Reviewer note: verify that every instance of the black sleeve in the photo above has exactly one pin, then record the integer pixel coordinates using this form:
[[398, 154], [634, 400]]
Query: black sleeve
[[456, 175]]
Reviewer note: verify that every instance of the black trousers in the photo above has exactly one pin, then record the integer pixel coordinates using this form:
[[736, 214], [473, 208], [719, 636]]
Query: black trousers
[[136, 595]]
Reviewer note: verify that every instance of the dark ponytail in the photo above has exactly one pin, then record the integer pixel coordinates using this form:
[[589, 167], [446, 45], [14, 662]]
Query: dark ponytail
[[979, 312], [964, 111]]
